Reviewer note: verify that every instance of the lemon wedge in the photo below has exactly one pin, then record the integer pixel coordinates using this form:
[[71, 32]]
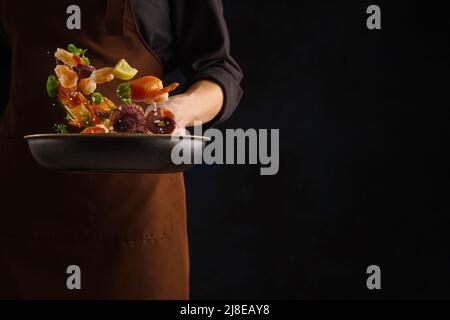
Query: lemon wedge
[[124, 71]]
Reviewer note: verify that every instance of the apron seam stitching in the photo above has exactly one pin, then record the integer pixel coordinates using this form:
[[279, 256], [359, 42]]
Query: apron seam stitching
[[144, 43]]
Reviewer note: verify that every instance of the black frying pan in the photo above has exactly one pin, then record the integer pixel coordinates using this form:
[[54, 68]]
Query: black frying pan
[[111, 153]]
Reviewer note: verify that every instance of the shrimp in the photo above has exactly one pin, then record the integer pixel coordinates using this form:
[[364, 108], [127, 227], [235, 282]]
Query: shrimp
[[87, 86], [66, 76], [163, 98], [103, 75], [66, 57], [161, 95]]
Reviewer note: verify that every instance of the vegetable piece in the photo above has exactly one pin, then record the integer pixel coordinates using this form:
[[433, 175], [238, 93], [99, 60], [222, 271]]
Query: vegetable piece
[[101, 112], [110, 104], [61, 128], [124, 93], [145, 89], [97, 98], [52, 86], [124, 71]]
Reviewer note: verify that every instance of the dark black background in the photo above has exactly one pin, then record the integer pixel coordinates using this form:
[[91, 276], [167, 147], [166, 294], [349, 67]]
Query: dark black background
[[364, 176]]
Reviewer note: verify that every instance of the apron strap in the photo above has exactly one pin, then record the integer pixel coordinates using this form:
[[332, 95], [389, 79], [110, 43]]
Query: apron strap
[[116, 17]]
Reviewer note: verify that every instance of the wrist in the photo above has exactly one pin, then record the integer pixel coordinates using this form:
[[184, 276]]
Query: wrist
[[183, 107]]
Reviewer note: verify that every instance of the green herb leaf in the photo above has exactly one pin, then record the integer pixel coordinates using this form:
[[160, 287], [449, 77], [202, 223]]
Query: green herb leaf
[[69, 117], [97, 98], [61, 128], [79, 52], [72, 48], [52, 86], [124, 93]]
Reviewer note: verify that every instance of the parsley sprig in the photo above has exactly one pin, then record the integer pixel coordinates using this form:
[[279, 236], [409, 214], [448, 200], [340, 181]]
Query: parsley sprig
[[79, 52], [61, 128]]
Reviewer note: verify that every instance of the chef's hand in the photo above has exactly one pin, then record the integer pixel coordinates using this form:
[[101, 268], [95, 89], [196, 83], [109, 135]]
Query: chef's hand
[[202, 102]]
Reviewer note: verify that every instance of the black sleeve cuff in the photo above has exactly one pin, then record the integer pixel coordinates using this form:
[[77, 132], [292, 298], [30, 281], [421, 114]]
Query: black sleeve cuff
[[230, 86]]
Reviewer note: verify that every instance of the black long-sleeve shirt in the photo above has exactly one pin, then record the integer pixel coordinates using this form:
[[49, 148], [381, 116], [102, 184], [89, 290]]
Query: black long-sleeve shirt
[[191, 35]]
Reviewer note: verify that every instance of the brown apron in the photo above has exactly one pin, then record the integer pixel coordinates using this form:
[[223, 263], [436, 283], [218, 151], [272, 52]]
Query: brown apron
[[127, 232]]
